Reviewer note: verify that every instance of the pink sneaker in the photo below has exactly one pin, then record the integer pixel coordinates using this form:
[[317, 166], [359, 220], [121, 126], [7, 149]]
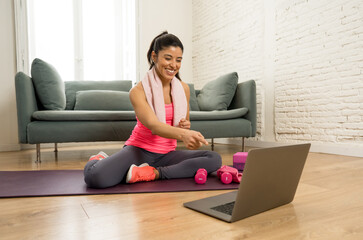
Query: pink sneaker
[[101, 155], [140, 173]]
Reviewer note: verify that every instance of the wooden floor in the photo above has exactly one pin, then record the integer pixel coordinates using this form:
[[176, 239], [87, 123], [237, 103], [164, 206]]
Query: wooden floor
[[328, 205]]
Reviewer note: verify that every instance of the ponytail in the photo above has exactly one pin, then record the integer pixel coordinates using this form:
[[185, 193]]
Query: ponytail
[[151, 49]]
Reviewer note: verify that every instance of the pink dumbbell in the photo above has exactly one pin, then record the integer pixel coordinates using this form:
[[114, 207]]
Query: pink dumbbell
[[201, 176], [226, 178]]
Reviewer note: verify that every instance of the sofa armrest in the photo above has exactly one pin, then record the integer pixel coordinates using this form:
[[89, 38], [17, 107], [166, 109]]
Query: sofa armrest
[[245, 96], [26, 103]]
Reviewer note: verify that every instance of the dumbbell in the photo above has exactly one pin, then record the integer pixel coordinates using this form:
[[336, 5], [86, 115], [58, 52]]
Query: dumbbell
[[226, 178], [201, 176]]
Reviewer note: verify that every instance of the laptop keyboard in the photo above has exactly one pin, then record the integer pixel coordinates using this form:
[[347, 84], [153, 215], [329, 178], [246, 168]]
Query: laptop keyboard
[[225, 208]]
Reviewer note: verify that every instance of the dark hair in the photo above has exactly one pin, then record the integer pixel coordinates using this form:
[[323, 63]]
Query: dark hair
[[161, 41]]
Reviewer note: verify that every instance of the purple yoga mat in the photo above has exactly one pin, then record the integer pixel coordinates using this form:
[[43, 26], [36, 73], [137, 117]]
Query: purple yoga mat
[[70, 182]]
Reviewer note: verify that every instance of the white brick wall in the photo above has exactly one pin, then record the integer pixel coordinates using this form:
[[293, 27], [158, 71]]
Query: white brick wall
[[317, 63], [227, 37], [318, 71]]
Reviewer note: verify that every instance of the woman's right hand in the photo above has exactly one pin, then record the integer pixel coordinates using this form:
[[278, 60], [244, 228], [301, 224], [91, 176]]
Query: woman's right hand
[[193, 139]]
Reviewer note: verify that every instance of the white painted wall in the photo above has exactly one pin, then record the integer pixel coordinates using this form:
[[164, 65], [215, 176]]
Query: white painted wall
[[306, 58], [8, 118], [175, 16]]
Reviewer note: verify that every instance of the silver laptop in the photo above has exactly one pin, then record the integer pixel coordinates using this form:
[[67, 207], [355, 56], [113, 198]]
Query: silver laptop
[[269, 180]]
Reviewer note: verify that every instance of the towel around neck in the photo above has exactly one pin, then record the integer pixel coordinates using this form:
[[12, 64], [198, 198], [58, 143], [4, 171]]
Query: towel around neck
[[153, 89]]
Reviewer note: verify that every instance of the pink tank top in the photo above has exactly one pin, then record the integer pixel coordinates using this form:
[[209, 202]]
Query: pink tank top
[[143, 138]]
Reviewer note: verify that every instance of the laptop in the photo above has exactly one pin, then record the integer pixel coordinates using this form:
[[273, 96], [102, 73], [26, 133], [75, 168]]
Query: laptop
[[269, 180]]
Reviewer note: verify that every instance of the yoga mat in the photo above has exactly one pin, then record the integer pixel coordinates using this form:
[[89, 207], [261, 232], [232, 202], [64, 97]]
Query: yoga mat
[[70, 182]]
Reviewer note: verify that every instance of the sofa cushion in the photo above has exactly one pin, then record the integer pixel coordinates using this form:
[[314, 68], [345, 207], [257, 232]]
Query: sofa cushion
[[193, 103], [74, 115], [218, 94], [48, 85], [217, 115], [72, 87], [103, 100]]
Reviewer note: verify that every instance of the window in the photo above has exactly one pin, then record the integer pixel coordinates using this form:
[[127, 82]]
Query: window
[[82, 39]]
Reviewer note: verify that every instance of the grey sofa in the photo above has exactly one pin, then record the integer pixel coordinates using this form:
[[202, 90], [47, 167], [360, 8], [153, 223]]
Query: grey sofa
[[87, 123]]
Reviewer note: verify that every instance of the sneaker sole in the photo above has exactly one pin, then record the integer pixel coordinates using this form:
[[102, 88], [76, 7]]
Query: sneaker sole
[[103, 154], [129, 174]]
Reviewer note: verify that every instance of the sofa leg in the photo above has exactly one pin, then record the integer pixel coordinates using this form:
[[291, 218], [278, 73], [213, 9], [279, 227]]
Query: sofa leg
[[38, 153], [55, 147], [212, 144], [243, 144]]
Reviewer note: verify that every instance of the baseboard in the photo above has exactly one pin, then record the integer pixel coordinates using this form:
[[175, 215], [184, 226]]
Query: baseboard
[[338, 149], [9, 147]]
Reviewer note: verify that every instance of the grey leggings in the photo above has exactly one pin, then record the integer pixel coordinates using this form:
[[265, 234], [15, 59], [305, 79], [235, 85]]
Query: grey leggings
[[176, 164]]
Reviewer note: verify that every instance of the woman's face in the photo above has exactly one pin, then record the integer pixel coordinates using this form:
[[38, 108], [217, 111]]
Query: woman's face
[[168, 62]]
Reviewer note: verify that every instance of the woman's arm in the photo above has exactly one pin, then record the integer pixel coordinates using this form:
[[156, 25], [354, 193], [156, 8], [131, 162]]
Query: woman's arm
[[147, 117]]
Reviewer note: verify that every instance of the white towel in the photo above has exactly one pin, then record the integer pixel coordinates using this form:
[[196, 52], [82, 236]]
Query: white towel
[[153, 88]]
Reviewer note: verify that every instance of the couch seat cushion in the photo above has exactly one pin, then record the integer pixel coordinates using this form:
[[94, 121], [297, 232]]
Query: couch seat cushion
[[217, 115], [103, 100], [74, 115]]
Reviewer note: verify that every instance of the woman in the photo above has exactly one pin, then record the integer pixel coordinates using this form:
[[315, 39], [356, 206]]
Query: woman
[[161, 104]]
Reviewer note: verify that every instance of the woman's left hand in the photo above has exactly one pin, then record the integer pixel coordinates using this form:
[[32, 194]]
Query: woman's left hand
[[184, 123]]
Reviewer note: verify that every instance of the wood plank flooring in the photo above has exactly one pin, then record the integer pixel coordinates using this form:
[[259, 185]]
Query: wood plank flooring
[[328, 205]]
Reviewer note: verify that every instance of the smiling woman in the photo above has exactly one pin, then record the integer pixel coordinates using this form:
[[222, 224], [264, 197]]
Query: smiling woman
[[161, 104]]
